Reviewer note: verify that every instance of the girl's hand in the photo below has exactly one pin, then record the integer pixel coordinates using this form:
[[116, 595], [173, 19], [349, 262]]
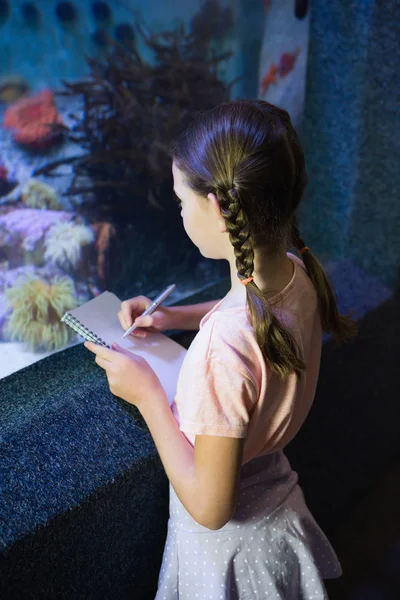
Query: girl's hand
[[131, 311], [130, 376]]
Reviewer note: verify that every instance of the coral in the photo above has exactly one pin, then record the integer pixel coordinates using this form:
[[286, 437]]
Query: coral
[[37, 307], [27, 226], [134, 108], [36, 194], [12, 88], [10, 277], [64, 243], [33, 119]]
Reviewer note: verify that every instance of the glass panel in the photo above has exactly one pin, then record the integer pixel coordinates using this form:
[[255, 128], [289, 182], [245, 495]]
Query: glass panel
[[92, 94]]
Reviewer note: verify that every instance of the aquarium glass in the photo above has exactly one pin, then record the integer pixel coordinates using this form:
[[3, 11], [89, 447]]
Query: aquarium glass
[[92, 94]]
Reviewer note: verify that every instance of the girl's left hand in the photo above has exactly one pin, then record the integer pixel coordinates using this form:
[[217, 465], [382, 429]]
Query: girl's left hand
[[130, 376]]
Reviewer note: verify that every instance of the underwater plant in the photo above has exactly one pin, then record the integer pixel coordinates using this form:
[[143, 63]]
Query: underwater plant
[[133, 109], [64, 242], [37, 307]]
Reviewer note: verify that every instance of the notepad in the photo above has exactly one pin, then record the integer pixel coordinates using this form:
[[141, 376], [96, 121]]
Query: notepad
[[97, 321]]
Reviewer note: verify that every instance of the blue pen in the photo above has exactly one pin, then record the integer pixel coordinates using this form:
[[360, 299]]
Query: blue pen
[[153, 306]]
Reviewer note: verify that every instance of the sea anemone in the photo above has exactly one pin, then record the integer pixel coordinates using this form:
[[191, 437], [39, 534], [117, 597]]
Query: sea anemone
[[23, 232], [37, 307], [37, 194], [64, 243]]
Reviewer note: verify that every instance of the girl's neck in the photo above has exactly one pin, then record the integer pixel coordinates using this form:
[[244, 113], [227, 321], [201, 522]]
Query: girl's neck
[[271, 274]]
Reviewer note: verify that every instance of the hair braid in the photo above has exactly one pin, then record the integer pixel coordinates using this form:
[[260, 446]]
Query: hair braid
[[239, 233], [248, 153], [277, 345]]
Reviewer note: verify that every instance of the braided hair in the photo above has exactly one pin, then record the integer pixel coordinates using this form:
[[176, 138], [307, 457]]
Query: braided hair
[[278, 345], [248, 154]]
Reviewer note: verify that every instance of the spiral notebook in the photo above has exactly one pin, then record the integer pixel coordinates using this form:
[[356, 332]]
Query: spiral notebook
[[97, 321]]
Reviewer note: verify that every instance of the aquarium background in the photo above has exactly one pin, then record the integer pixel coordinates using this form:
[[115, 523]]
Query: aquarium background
[[91, 95]]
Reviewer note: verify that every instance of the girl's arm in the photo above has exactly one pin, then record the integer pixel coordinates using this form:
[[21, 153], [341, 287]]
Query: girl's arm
[[189, 317], [206, 487]]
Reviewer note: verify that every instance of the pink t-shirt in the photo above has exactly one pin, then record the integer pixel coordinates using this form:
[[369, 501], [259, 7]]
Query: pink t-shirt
[[225, 387]]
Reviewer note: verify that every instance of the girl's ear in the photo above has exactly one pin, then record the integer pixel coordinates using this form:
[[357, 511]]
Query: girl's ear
[[216, 206]]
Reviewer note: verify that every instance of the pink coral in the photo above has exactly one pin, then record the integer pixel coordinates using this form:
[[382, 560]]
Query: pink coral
[[31, 224]]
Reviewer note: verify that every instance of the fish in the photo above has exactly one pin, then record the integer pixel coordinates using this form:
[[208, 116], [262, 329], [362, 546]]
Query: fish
[[287, 62], [269, 78], [267, 4]]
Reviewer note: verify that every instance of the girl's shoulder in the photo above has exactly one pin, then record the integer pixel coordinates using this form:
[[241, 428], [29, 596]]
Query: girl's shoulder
[[227, 336]]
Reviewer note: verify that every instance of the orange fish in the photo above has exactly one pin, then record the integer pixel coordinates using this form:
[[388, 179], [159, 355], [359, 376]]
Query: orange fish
[[287, 62], [269, 78]]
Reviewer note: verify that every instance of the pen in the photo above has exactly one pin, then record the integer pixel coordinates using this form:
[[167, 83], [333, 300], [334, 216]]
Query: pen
[[153, 306]]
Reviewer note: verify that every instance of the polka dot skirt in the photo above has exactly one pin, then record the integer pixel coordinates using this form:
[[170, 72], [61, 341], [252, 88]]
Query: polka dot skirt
[[272, 548]]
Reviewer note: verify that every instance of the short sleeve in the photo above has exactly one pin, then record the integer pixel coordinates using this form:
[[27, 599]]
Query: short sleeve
[[217, 399]]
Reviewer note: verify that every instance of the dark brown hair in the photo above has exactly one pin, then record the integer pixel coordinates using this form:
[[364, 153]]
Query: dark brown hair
[[248, 153]]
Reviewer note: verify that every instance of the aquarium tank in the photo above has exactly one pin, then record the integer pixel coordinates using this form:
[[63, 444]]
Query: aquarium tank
[[92, 94]]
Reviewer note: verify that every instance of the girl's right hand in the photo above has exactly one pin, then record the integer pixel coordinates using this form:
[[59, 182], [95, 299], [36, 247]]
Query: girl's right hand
[[160, 320]]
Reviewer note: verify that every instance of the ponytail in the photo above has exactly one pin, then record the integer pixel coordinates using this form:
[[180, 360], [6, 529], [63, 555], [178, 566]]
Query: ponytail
[[248, 153], [341, 327], [278, 346]]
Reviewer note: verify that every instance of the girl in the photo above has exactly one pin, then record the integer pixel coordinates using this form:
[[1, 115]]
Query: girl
[[239, 527]]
